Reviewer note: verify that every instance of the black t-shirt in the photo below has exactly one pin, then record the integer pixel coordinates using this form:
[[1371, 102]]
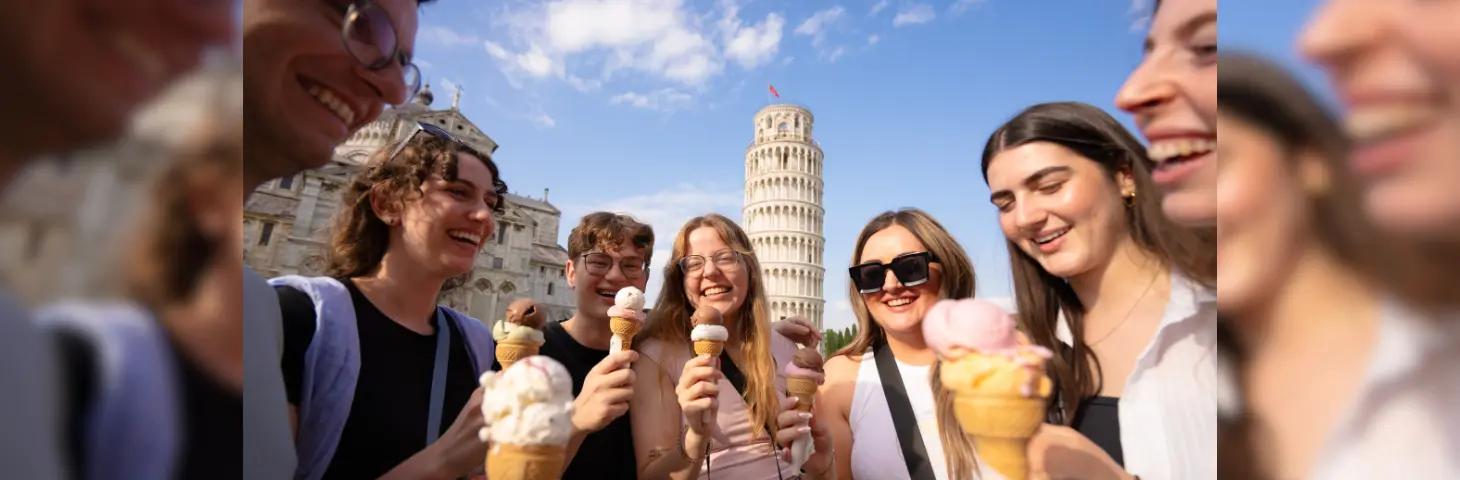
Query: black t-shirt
[[387, 422], [212, 443], [607, 453]]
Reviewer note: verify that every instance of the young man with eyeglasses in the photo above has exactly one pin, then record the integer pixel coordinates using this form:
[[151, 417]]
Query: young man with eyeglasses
[[607, 252], [74, 74], [316, 71]]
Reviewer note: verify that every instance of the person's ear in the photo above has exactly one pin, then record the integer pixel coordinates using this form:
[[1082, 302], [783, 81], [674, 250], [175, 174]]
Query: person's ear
[[572, 279], [386, 210]]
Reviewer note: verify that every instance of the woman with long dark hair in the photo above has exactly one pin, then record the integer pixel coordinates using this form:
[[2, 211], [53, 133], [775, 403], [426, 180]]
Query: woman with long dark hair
[[374, 369], [683, 402], [1121, 293], [1329, 370], [903, 263]]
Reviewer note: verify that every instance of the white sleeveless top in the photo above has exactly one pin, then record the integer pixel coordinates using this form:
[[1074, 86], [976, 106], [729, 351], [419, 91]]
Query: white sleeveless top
[[876, 453]]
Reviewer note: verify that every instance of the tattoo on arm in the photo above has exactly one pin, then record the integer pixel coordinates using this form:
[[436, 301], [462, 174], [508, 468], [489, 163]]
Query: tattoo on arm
[[658, 452]]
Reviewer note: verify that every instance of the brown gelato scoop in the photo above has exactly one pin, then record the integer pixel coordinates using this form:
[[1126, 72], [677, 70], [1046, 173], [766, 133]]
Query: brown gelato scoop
[[706, 316], [526, 312], [808, 359]]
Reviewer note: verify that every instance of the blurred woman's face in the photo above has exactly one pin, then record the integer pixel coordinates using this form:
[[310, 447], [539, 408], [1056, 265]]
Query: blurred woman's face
[[1060, 208], [1262, 215], [1396, 64], [1173, 95]]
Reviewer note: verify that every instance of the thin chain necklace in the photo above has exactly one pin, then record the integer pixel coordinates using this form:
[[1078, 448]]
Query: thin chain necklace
[[1128, 313]]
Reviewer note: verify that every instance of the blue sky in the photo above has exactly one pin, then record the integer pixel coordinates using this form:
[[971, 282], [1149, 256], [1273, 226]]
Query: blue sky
[[1272, 28], [645, 106]]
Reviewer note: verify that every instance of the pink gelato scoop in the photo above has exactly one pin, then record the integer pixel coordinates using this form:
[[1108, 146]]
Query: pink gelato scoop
[[626, 313], [970, 324]]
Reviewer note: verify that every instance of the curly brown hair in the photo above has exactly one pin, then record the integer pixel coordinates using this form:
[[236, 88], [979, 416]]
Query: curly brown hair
[[172, 248], [360, 238], [607, 231]]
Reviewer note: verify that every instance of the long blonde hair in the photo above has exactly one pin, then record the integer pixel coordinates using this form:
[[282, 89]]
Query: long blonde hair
[[957, 281], [669, 320]]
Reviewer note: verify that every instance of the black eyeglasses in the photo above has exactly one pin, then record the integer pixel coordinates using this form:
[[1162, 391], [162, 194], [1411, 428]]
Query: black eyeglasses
[[911, 269], [370, 37], [438, 132], [599, 264], [727, 260]]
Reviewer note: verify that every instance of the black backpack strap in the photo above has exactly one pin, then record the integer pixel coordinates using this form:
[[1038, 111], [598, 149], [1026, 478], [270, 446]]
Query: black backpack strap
[[908, 434], [732, 372]]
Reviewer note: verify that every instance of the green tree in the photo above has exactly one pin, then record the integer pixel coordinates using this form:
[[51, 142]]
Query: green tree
[[833, 340]]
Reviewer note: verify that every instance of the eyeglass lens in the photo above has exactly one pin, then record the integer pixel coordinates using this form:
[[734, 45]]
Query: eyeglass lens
[[371, 39], [724, 260], [910, 270], [600, 263]]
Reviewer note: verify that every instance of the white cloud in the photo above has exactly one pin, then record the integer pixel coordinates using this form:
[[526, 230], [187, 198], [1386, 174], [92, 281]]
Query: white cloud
[[666, 211], [448, 37], [961, 6], [446, 85], [667, 41], [916, 14], [756, 45], [833, 54], [872, 40], [816, 26], [879, 7], [665, 100], [541, 119], [1140, 12], [496, 51]]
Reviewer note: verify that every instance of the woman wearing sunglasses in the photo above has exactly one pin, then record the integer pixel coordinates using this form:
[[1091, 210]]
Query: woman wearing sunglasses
[[383, 381], [692, 419], [880, 402], [1120, 293]]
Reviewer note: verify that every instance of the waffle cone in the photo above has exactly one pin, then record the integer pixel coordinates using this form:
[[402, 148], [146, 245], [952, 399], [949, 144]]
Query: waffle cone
[[1000, 426], [804, 389], [709, 347], [525, 462], [510, 351], [625, 330]]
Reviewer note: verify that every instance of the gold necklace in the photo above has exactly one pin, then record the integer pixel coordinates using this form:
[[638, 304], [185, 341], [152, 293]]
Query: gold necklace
[[1128, 313]]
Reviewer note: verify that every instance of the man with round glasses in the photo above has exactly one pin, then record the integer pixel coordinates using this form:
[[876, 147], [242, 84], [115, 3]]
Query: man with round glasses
[[316, 72], [74, 74]]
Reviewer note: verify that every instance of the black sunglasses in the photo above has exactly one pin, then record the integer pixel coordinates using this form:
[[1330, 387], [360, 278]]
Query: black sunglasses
[[911, 269]]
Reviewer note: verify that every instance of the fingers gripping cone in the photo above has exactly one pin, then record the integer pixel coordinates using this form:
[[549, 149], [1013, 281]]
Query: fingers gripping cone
[[999, 386], [709, 336], [804, 375]]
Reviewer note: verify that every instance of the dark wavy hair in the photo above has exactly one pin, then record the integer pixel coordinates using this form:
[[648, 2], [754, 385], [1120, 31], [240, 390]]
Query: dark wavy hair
[[1041, 296], [360, 238]]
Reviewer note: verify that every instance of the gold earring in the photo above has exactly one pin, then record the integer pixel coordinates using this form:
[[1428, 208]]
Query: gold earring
[[1130, 199]]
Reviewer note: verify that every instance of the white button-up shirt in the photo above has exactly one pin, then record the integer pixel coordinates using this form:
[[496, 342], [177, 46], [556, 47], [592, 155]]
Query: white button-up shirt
[[1404, 421], [1168, 413]]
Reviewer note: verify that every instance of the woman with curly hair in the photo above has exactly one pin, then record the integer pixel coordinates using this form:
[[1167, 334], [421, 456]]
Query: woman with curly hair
[[374, 369]]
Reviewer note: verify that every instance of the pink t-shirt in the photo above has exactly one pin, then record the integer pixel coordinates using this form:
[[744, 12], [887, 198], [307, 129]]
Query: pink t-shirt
[[746, 457]]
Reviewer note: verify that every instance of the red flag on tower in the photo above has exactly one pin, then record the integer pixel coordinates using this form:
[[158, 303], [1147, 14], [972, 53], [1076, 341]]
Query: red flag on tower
[[774, 92]]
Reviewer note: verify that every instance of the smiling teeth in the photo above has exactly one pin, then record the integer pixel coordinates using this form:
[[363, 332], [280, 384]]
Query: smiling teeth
[[1052, 236], [328, 99], [899, 302], [1370, 123], [1169, 149], [470, 237], [716, 291]]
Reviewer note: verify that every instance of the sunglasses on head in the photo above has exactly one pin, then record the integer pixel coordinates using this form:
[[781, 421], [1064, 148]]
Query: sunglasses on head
[[911, 270], [434, 131]]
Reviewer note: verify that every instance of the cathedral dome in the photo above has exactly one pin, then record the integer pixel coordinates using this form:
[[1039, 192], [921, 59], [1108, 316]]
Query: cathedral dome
[[425, 97]]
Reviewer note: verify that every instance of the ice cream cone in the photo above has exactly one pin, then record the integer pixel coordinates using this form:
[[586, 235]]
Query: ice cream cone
[[525, 462], [510, 351], [1001, 426], [804, 389], [709, 347], [624, 329]]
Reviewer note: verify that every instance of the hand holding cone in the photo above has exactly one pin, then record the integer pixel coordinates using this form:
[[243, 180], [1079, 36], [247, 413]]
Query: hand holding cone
[[804, 375], [999, 387], [520, 335]]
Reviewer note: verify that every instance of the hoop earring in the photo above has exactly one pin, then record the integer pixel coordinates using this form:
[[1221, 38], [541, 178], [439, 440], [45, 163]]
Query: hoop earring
[[1130, 200]]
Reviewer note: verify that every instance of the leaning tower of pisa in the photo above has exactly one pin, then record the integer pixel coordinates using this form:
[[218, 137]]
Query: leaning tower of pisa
[[783, 212]]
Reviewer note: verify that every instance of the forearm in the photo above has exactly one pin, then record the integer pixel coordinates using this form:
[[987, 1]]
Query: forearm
[[424, 465], [673, 464], [573, 444]]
